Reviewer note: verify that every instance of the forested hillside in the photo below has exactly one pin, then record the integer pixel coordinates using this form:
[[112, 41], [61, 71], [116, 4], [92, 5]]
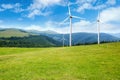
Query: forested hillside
[[31, 41]]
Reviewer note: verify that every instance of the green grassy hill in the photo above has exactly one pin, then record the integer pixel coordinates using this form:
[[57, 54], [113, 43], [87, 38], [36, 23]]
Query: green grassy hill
[[13, 33], [31, 41], [91, 62], [20, 38]]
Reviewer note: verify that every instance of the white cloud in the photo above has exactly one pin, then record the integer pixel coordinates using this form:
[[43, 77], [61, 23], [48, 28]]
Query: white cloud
[[34, 12], [47, 26], [85, 26], [41, 4], [17, 8], [111, 2], [110, 28], [81, 26], [110, 15], [14, 7], [7, 6], [44, 3], [37, 12], [38, 7], [88, 4], [85, 1], [34, 27], [110, 22], [84, 6]]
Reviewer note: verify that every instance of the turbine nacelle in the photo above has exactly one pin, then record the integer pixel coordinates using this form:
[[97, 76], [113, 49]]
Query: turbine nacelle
[[98, 20], [71, 17]]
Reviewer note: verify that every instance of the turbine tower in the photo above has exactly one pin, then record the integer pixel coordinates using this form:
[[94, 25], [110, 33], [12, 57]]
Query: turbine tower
[[98, 27], [63, 40], [70, 17]]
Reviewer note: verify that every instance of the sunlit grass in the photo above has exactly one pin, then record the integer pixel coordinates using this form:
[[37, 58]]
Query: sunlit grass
[[91, 62]]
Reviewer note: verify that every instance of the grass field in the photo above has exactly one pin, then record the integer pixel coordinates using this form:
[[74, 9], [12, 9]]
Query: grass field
[[90, 62]]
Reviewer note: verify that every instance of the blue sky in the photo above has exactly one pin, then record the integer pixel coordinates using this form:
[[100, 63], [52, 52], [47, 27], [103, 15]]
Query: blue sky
[[48, 14]]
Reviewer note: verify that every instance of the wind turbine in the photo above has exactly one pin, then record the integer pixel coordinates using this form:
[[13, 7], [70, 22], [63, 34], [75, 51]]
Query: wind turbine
[[98, 27], [70, 16]]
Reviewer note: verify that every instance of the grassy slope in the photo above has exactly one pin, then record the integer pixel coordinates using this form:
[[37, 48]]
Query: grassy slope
[[91, 62], [13, 33]]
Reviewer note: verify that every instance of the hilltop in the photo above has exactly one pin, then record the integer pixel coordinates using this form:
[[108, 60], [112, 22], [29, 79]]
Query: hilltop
[[13, 33], [21, 38]]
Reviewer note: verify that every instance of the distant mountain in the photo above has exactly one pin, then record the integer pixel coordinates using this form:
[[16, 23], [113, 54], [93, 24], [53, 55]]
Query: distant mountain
[[13, 33], [82, 38], [21, 38], [115, 34], [77, 38], [31, 41]]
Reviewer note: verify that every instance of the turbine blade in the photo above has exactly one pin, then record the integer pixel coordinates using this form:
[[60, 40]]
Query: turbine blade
[[64, 20], [78, 17], [98, 17], [69, 9], [98, 14]]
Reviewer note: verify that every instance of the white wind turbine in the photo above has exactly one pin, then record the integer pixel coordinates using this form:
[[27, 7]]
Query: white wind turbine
[[98, 27], [70, 17]]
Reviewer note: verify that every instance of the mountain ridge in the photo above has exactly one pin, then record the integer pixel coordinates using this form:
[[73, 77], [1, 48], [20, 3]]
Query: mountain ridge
[[21, 38], [77, 38]]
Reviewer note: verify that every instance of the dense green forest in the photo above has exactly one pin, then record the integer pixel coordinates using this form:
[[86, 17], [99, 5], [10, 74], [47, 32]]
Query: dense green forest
[[31, 41]]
